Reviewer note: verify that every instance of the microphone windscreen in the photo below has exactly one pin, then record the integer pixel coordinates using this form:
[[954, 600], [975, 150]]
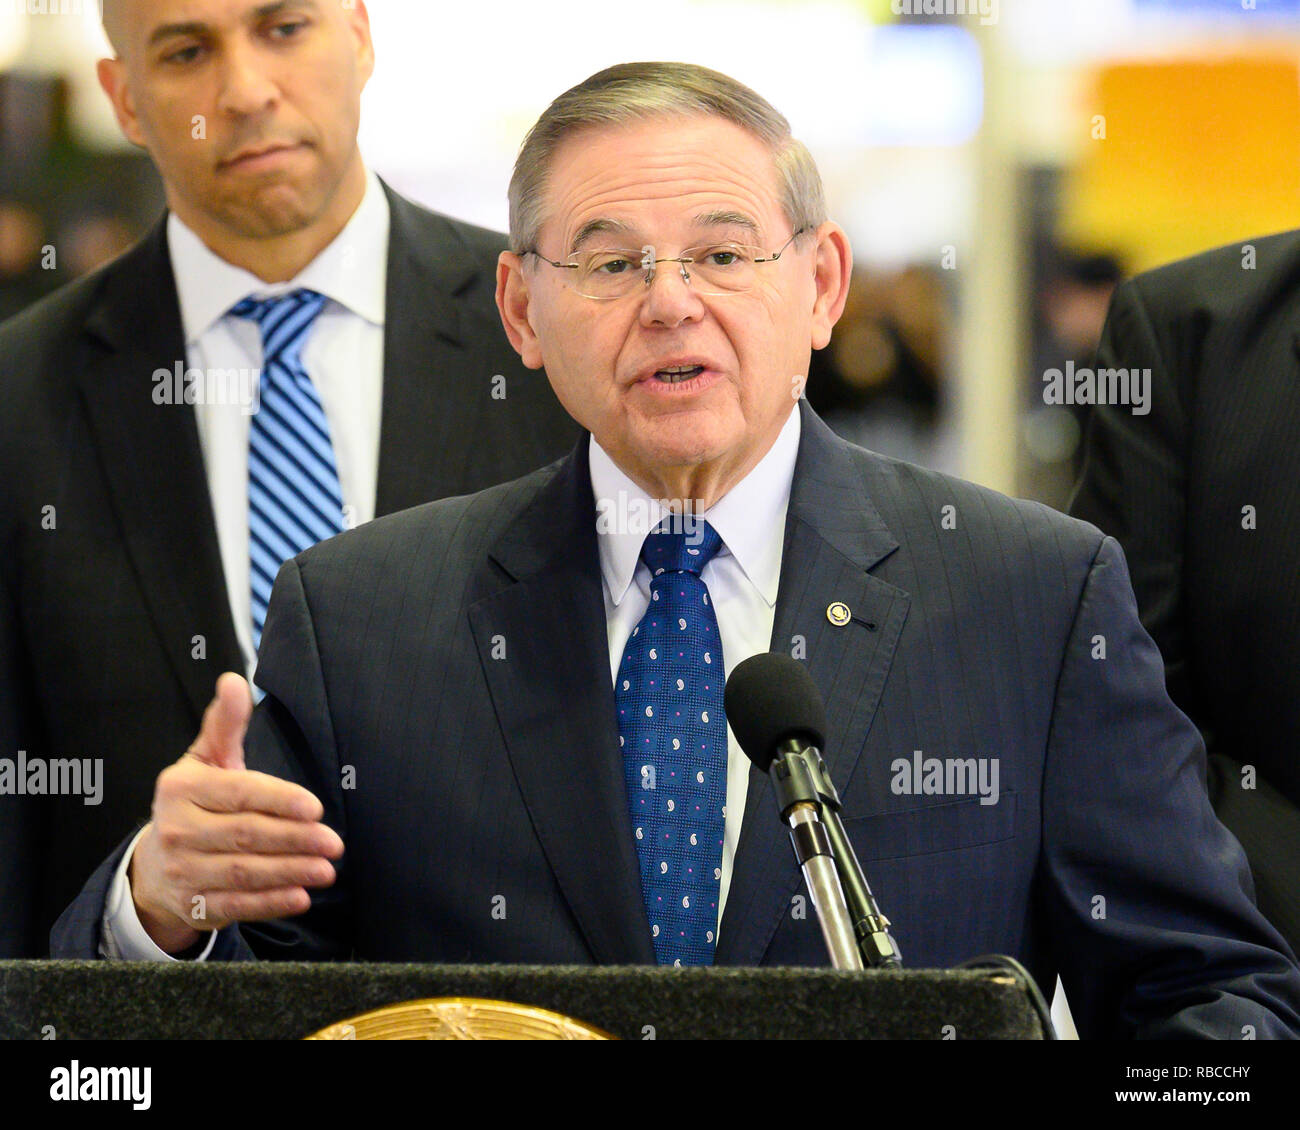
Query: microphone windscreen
[[769, 699]]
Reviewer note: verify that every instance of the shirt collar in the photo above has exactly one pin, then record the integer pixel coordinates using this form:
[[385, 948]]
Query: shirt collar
[[352, 270], [750, 518]]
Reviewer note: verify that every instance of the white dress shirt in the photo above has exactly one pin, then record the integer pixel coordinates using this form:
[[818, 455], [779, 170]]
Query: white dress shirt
[[742, 578], [344, 356]]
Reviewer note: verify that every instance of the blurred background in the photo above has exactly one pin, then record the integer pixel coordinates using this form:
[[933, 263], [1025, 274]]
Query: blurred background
[[998, 168]]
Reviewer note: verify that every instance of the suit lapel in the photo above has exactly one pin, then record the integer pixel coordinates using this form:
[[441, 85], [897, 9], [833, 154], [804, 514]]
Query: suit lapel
[[424, 412], [554, 699], [151, 454], [833, 537], [154, 467]]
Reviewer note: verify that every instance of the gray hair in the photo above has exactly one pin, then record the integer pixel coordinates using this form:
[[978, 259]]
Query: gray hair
[[632, 92]]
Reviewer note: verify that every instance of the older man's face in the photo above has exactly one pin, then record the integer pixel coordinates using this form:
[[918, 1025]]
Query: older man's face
[[673, 183], [249, 109]]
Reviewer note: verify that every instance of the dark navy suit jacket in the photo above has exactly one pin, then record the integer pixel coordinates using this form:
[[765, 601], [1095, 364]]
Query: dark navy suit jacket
[[1218, 593], [440, 679]]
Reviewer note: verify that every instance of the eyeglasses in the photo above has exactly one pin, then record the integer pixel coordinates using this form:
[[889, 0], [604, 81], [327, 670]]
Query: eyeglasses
[[715, 268]]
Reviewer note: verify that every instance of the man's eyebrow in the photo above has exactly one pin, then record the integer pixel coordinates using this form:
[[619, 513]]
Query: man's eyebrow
[[726, 219], [170, 31], [595, 227], [199, 28], [278, 6], [722, 218]]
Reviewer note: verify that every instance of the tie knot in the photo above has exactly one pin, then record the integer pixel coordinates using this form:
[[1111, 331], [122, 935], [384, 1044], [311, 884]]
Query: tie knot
[[686, 550], [284, 320]]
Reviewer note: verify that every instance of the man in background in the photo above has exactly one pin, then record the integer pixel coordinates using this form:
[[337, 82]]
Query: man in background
[[1204, 495], [293, 350]]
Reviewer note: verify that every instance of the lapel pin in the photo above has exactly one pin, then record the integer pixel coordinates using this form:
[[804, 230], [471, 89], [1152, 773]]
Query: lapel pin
[[838, 613]]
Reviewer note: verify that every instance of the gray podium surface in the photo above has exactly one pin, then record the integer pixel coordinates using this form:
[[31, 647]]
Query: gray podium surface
[[85, 1000]]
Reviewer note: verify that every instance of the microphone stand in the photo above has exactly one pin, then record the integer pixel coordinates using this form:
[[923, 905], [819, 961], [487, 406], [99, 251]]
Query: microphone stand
[[797, 797], [809, 800]]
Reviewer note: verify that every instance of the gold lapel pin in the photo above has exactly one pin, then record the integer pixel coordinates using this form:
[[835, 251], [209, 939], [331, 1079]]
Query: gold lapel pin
[[838, 613]]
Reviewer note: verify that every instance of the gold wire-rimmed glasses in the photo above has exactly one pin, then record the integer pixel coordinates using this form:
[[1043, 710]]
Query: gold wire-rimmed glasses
[[712, 269]]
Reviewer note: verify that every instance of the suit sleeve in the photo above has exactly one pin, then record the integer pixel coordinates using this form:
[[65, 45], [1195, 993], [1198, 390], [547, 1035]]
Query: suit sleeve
[[1133, 481], [78, 935], [290, 736], [1146, 893]]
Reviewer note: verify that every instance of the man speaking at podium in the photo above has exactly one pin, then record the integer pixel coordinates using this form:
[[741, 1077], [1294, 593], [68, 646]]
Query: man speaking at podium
[[490, 722]]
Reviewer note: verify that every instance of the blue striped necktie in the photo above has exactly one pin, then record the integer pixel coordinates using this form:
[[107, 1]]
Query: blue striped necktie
[[674, 737], [294, 497]]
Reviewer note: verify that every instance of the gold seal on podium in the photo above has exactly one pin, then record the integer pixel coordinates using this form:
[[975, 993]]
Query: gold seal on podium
[[460, 1018]]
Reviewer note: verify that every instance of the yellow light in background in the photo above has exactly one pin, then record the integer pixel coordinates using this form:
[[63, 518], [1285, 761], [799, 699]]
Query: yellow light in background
[[1196, 153]]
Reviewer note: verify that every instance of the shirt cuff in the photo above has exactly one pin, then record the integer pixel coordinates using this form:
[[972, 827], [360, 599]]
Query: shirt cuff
[[121, 937]]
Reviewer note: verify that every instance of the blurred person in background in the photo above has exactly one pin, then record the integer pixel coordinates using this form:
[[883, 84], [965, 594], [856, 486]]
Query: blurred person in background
[[83, 205], [879, 383], [293, 349], [1072, 292], [22, 281], [92, 237], [1073, 305], [1204, 495]]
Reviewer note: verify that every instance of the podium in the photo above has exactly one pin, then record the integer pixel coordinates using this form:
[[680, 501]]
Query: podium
[[84, 1000]]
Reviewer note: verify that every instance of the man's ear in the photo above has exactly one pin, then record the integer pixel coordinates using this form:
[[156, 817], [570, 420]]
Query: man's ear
[[112, 77], [834, 269], [359, 20], [513, 301]]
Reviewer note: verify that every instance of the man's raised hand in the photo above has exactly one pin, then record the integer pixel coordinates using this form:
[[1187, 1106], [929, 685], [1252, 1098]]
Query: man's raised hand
[[226, 844]]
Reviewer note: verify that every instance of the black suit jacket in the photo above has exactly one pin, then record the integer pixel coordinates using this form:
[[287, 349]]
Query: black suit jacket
[[1218, 585], [440, 679], [114, 618]]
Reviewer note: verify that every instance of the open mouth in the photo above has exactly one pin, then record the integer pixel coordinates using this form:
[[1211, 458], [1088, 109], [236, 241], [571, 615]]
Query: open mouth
[[678, 373]]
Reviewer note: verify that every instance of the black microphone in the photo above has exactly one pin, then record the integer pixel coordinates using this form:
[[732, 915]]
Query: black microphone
[[777, 715]]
